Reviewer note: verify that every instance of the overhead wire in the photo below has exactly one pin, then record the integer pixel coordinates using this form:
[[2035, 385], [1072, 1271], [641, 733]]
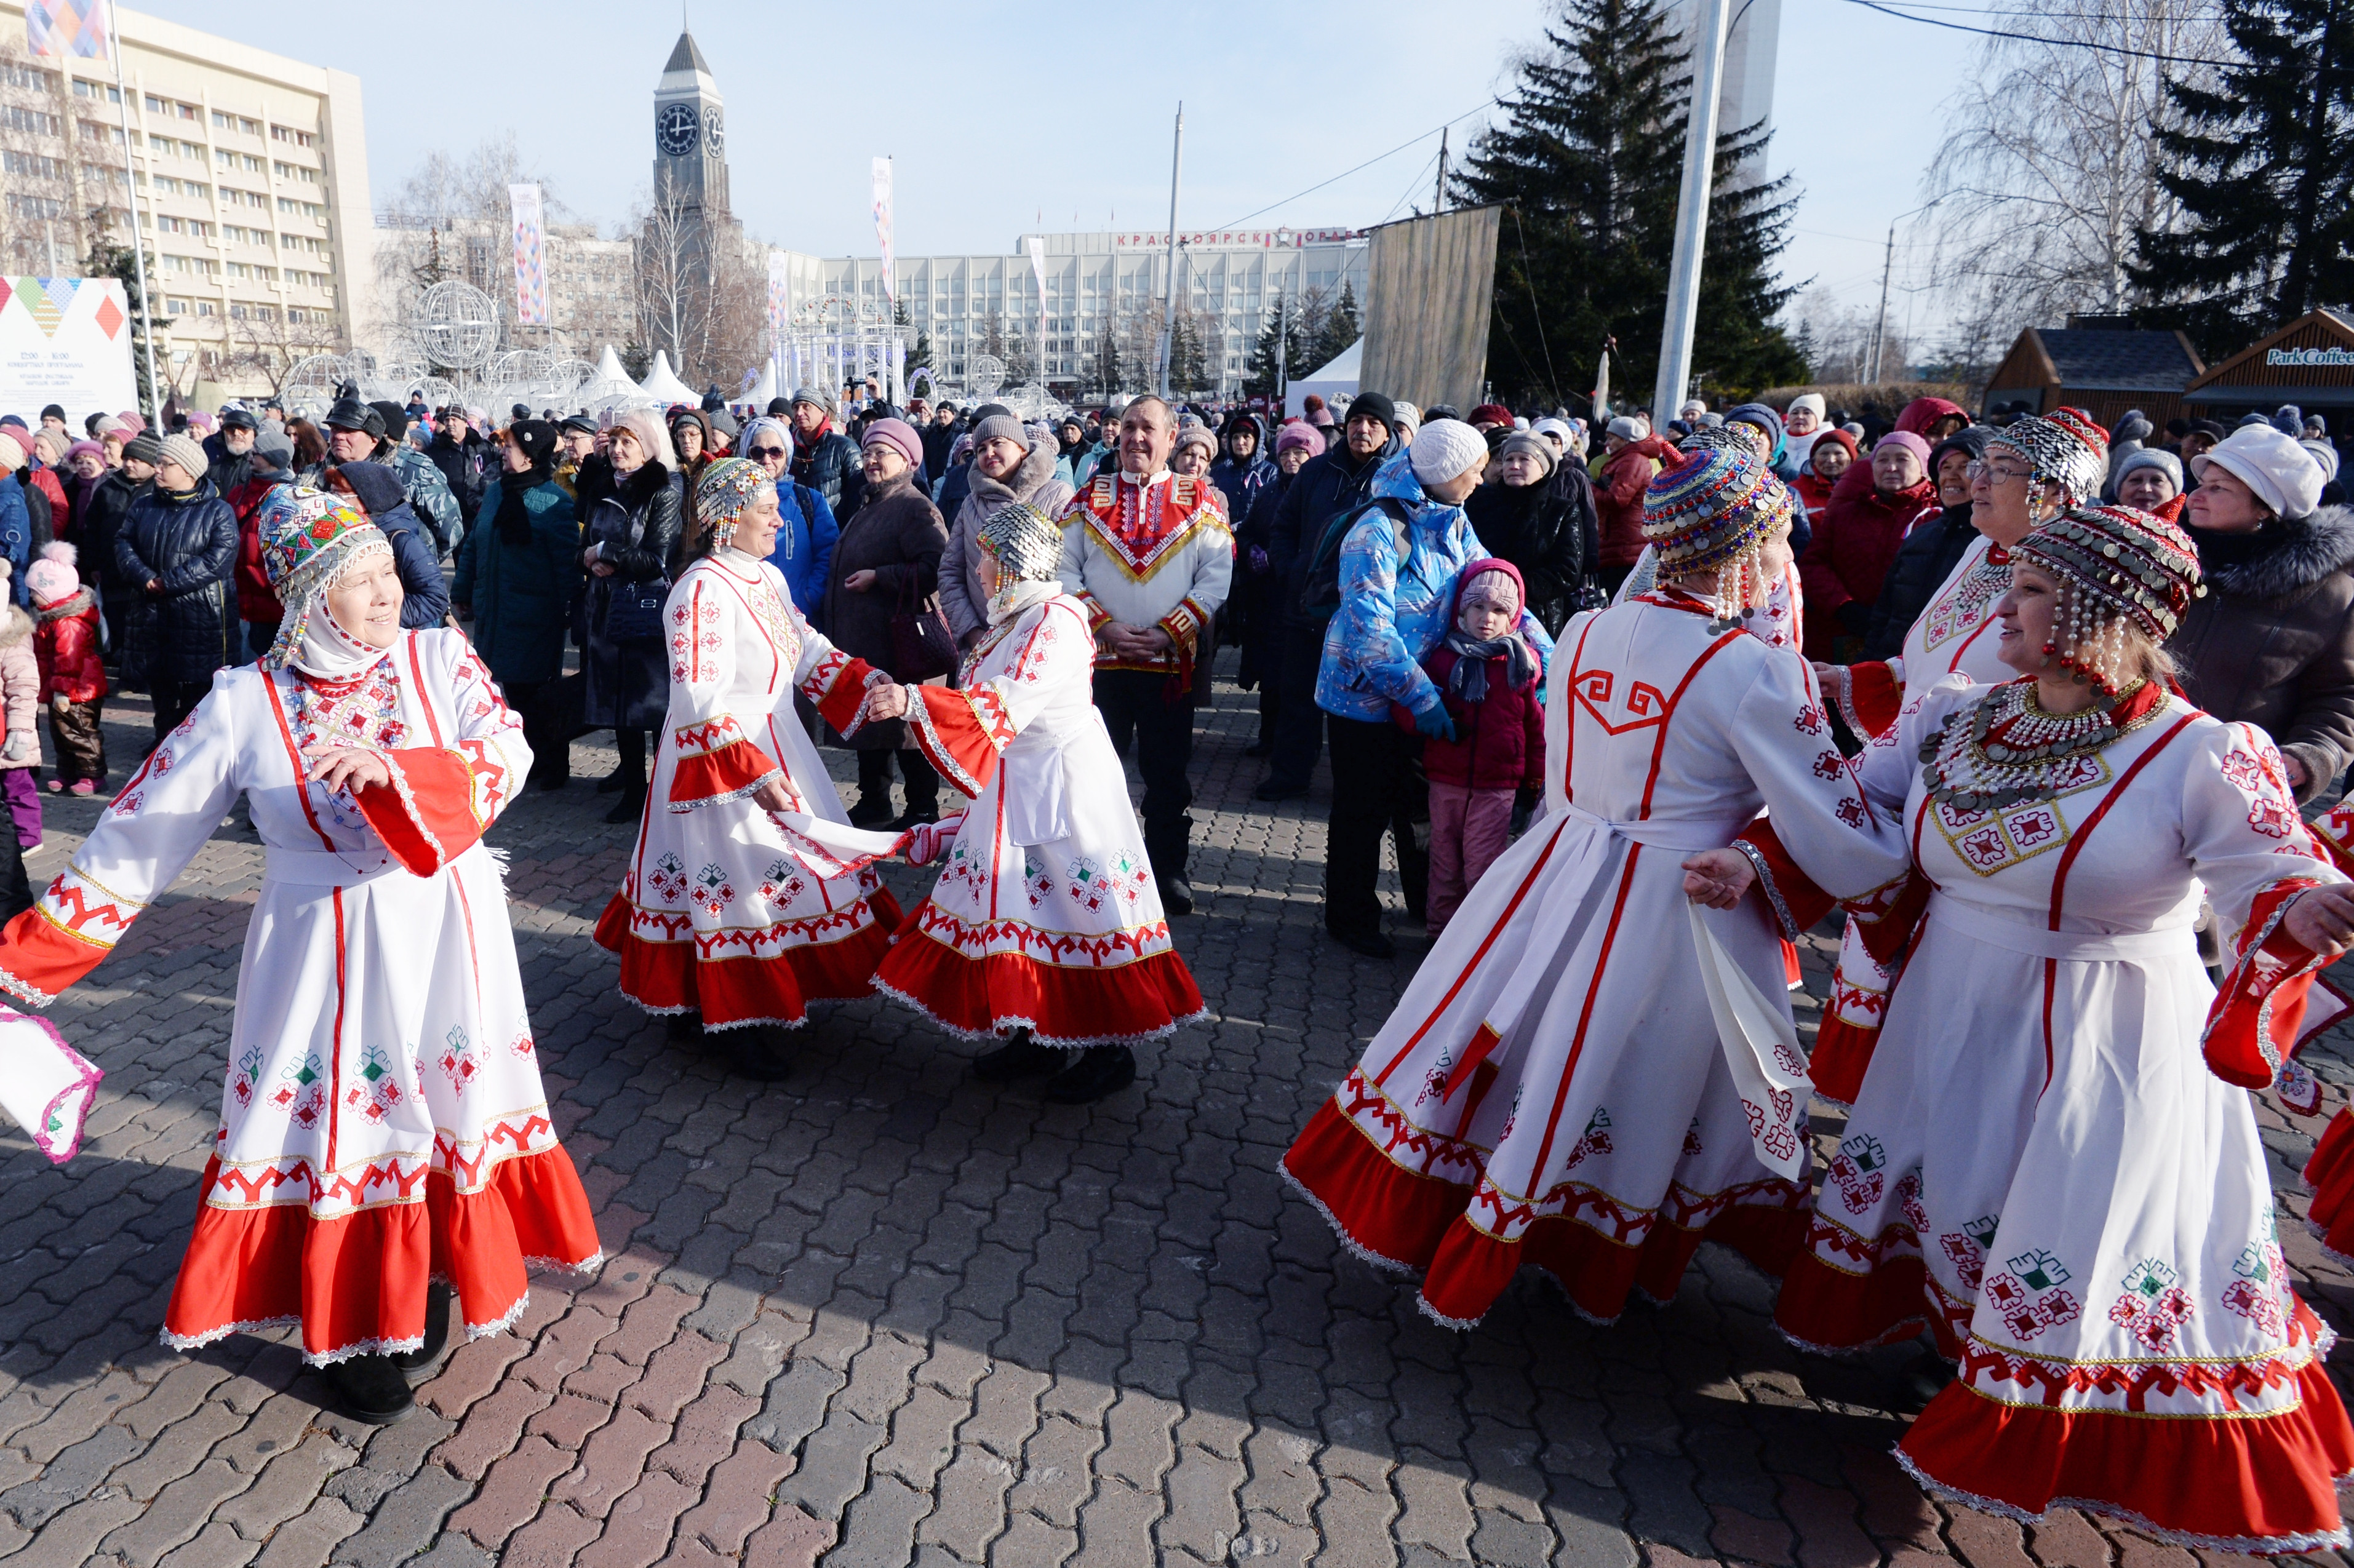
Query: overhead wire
[[1479, 108], [2041, 38]]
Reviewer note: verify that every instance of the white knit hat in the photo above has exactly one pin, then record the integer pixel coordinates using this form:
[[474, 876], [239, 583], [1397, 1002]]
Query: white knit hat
[[1813, 400], [2282, 472], [1444, 448]]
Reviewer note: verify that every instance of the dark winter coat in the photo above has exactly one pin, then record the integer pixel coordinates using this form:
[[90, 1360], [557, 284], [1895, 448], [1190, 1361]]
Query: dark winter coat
[[521, 592], [185, 542], [1924, 562], [1856, 539], [636, 530], [460, 463], [1252, 600], [16, 536], [1242, 482], [101, 519], [425, 594], [2272, 642], [1539, 529], [938, 441], [829, 465], [1498, 742], [1328, 485], [898, 535]]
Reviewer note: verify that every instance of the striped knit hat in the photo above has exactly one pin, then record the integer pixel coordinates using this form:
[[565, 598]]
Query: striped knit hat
[[1713, 507], [2068, 445], [2122, 564]]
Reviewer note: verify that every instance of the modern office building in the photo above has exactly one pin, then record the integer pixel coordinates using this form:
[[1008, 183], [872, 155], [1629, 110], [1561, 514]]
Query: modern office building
[[248, 172], [1231, 280]]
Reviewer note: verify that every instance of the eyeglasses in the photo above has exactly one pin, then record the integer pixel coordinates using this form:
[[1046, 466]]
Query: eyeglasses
[[768, 452], [2001, 474]]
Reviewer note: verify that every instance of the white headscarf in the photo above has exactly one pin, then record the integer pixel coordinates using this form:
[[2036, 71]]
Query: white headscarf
[[325, 651]]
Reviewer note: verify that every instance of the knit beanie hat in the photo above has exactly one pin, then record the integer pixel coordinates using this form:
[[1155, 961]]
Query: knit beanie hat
[[1491, 414], [1534, 446], [901, 437], [1917, 445], [2271, 462], [52, 578], [1712, 508], [1197, 436], [1374, 406], [2152, 457], [1001, 427], [1760, 417], [1444, 449], [1626, 428], [1810, 401], [14, 450], [146, 447], [2323, 453], [1299, 433], [189, 453], [1486, 566]]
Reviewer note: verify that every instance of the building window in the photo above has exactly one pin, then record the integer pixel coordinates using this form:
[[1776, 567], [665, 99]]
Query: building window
[[206, 308], [38, 210], [288, 134], [32, 122]]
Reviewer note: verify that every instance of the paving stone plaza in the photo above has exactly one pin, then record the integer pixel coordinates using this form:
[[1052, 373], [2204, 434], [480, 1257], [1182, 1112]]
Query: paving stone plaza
[[880, 1314]]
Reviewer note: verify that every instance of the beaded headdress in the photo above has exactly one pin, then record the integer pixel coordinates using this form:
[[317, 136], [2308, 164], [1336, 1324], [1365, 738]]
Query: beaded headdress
[[1023, 542], [1715, 510], [2067, 445], [2116, 567], [308, 539], [725, 489]]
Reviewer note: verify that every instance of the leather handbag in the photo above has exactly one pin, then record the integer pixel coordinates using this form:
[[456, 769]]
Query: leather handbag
[[921, 644], [634, 613]]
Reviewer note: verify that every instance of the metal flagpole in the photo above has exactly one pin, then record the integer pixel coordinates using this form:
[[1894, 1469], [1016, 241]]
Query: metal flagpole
[[1169, 284], [130, 195], [1692, 210]]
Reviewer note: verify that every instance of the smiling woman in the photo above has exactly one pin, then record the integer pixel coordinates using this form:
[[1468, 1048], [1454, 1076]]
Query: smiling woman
[[383, 1124]]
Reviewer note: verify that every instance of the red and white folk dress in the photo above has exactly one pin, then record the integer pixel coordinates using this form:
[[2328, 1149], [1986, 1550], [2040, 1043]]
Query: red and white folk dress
[[1046, 915], [383, 1122], [1553, 1088], [717, 913], [2052, 1162]]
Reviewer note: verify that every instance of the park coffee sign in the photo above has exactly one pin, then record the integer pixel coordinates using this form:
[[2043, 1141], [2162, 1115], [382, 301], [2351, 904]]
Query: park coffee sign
[[66, 340]]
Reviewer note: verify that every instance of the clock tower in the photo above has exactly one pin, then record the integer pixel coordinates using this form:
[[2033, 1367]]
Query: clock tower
[[690, 136]]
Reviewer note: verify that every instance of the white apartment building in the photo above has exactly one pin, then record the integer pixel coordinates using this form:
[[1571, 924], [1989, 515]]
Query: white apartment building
[[1232, 280], [248, 175]]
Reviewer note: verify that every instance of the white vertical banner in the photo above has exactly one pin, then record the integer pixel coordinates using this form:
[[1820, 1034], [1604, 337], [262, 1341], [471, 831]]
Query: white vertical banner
[[781, 304], [530, 256], [1038, 273], [883, 226]]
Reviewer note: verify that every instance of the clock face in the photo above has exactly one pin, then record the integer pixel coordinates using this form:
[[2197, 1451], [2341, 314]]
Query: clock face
[[676, 127], [714, 133]]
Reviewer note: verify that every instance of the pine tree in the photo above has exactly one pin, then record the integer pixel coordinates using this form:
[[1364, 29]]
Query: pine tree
[[1106, 366], [1588, 162], [2264, 170], [1282, 332], [1336, 331], [921, 357]]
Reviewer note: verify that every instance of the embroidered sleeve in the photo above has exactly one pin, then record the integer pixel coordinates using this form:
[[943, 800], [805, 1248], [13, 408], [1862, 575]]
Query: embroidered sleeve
[[426, 815], [963, 731], [2257, 1017], [1870, 697], [718, 762], [143, 841], [1826, 842]]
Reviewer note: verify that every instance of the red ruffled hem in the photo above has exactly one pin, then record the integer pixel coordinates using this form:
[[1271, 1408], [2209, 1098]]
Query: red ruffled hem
[[1402, 1217], [996, 993], [2240, 1483], [1823, 1309], [2330, 1174], [357, 1283], [1841, 1055], [667, 976]]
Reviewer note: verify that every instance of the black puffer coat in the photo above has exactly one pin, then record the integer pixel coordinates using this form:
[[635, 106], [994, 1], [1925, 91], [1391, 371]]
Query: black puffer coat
[[634, 527], [2272, 642], [185, 543]]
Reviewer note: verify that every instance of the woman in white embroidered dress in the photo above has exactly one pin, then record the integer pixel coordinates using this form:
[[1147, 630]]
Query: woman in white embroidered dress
[[1045, 924], [2040, 1167], [383, 1123], [2032, 473], [716, 915], [1553, 1087]]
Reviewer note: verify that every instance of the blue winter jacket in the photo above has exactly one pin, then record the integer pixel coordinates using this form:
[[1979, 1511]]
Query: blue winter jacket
[[15, 536], [1394, 611], [806, 533]]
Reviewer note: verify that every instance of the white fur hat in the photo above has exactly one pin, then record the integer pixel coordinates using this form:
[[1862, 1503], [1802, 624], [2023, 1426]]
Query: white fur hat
[[2281, 471]]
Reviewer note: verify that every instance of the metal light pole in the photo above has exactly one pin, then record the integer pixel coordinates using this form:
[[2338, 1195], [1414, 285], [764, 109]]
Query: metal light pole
[[1888, 265], [1169, 284], [130, 196], [1691, 209]]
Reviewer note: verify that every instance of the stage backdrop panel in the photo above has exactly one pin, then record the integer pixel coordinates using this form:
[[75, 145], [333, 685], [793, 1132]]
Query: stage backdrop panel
[[65, 341], [1430, 284]]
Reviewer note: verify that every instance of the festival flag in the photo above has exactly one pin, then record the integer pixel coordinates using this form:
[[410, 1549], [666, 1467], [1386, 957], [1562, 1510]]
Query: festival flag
[[530, 256], [883, 226], [57, 29]]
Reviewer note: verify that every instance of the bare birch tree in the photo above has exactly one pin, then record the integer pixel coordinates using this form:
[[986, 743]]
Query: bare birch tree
[[2054, 166]]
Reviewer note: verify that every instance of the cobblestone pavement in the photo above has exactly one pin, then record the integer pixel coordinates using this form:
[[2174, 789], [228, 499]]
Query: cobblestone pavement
[[880, 1314]]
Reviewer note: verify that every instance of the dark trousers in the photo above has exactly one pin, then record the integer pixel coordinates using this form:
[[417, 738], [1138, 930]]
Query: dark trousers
[[1137, 709], [916, 771], [537, 703], [16, 892], [632, 746], [1377, 786], [1299, 721], [175, 700], [79, 742]]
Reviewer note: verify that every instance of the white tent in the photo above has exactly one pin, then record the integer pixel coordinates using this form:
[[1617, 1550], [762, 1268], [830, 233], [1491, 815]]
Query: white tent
[[608, 386], [764, 390], [1338, 380], [664, 387]]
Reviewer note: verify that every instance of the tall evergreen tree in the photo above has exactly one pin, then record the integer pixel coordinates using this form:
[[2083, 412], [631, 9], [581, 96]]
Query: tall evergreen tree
[[1280, 334], [1337, 331], [2263, 168], [1589, 159]]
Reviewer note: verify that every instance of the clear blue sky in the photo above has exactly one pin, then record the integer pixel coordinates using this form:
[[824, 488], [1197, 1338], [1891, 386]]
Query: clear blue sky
[[1001, 119]]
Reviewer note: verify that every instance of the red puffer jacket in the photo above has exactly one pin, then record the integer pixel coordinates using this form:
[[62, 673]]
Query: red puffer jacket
[[1857, 536], [1499, 743], [65, 642], [1618, 498]]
